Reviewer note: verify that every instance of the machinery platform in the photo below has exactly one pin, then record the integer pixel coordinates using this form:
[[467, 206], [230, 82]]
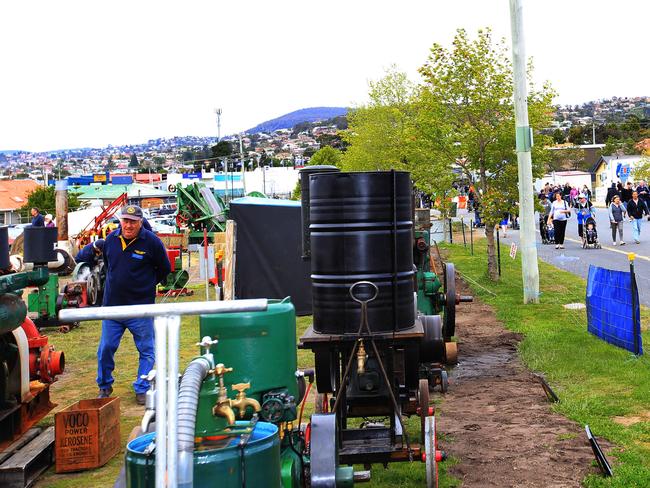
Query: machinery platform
[[24, 460], [312, 337]]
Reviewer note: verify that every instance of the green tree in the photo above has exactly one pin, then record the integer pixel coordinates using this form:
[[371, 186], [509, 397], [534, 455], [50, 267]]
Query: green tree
[[470, 117], [326, 155], [380, 133], [44, 199], [134, 163], [110, 164], [221, 149], [558, 137], [642, 171]]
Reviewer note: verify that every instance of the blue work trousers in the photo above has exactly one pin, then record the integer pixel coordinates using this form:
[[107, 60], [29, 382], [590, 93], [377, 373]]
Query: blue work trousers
[[143, 337]]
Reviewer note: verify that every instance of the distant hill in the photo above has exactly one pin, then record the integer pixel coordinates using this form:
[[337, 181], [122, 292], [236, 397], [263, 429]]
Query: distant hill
[[287, 121]]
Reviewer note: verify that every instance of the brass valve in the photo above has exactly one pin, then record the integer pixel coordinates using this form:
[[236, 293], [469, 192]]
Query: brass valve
[[223, 408], [241, 402], [362, 357]]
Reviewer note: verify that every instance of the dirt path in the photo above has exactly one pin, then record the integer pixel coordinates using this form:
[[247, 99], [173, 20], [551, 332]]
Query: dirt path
[[496, 420]]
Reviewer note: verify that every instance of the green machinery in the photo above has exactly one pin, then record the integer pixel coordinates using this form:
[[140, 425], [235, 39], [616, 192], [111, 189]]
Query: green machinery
[[433, 296], [248, 413], [199, 210], [45, 301]]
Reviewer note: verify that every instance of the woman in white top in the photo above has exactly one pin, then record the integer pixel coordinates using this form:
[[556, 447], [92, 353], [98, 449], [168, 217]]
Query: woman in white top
[[560, 213]]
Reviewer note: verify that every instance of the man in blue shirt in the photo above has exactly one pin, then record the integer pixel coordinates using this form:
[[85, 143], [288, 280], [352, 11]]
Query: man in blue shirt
[[37, 218], [136, 260]]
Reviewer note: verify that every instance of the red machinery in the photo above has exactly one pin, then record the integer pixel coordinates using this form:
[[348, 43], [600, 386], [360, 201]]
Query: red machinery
[[29, 373], [94, 227]]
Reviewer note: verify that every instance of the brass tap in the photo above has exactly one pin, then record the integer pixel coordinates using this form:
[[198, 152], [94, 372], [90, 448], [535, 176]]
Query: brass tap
[[362, 357], [241, 402], [223, 408]]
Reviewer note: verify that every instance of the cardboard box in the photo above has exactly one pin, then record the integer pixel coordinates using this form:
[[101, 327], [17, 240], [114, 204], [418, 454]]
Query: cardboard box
[[87, 434]]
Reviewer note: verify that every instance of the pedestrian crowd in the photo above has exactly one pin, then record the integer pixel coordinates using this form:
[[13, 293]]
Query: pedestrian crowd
[[624, 202]]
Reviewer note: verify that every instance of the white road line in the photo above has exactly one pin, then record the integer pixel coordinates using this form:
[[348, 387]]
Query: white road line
[[636, 255]]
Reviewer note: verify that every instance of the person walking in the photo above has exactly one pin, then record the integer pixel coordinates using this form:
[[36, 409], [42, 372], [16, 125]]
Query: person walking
[[584, 210], [626, 193], [611, 191], [37, 218], [617, 215], [644, 192], [136, 260], [560, 213], [543, 218], [636, 209]]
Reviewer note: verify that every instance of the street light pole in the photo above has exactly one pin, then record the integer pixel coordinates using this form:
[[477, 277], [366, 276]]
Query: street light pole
[[524, 138]]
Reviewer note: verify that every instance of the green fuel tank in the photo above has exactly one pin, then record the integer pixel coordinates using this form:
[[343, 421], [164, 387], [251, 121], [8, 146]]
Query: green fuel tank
[[226, 466], [260, 347]]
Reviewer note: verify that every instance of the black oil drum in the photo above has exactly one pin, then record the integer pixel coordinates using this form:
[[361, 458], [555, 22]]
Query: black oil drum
[[4, 248], [305, 173], [361, 230], [40, 244]]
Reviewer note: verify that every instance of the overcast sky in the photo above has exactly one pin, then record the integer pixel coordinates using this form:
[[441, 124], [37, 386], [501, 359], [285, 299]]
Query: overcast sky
[[87, 73]]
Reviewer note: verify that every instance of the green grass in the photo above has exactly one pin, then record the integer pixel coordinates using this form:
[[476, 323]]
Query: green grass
[[594, 380]]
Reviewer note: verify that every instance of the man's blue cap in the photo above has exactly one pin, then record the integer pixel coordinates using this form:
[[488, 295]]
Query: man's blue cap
[[132, 212], [99, 244]]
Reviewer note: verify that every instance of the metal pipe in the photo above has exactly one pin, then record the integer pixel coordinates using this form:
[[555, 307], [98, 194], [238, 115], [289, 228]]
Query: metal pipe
[[162, 309], [188, 401], [160, 327], [173, 329]]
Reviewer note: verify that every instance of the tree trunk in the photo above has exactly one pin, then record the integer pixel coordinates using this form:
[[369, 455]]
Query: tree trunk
[[493, 270]]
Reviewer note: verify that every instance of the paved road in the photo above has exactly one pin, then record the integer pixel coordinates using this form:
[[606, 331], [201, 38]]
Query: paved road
[[577, 260]]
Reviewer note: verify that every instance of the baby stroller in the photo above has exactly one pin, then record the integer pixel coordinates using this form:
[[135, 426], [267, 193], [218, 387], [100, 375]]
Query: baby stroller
[[546, 231], [590, 235]]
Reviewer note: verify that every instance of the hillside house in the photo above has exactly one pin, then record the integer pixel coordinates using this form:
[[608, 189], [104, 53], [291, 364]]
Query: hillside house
[[13, 195]]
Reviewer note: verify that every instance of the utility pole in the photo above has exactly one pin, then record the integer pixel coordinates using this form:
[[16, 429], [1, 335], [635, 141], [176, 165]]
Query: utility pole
[[524, 138]]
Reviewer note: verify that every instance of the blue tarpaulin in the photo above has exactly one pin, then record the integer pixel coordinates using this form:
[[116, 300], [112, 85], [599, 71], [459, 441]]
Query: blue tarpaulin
[[610, 303]]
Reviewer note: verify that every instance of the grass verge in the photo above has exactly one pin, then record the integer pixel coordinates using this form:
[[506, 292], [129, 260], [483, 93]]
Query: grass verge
[[598, 384]]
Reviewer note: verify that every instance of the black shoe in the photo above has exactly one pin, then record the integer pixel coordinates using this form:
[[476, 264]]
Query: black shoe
[[140, 398], [105, 392]]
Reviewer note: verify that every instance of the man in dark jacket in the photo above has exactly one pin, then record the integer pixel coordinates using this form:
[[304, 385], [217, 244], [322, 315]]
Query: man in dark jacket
[[611, 191], [636, 209], [136, 260], [37, 218]]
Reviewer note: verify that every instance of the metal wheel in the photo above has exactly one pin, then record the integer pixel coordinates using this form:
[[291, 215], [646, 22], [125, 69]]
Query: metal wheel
[[444, 381], [324, 456], [450, 301], [423, 404], [92, 283], [430, 448], [432, 348]]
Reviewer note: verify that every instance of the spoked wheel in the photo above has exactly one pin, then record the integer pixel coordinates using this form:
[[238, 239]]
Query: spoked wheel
[[450, 301], [431, 451], [423, 404]]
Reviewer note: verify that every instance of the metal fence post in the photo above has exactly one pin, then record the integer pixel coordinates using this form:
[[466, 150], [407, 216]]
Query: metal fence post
[[471, 235], [636, 326], [462, 226]]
